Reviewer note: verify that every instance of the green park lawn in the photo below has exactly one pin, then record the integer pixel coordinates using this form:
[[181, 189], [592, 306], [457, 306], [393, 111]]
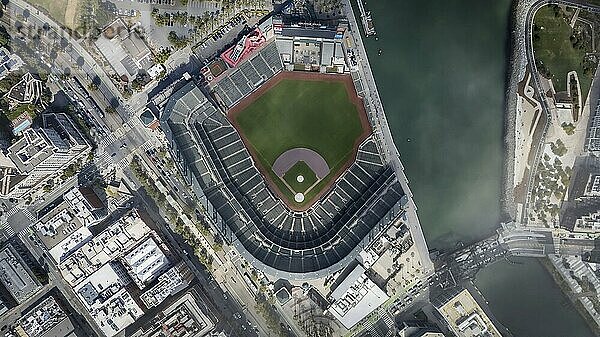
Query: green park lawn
[[56, 8], [302, 113], [554, 50]]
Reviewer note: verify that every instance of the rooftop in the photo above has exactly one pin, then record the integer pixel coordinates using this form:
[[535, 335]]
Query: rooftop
[[124, 50], [46, 319], [111, 244], [465, 317], [146, 262], [169, 284], [16, 276], [42, 153], [184, 318], [108, 302], [356, 297]]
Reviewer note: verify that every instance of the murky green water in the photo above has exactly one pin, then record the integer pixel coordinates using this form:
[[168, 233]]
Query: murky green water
[[441, 77], [526, 299]]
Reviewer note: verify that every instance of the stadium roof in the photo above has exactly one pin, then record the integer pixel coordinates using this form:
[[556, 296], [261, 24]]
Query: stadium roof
[[308, 33]]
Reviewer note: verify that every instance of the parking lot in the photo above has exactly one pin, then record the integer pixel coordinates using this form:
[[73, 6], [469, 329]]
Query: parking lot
[[225, 35], [157, 36]]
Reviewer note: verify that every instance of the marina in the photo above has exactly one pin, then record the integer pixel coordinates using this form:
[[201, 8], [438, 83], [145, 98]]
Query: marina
[[367, 20]]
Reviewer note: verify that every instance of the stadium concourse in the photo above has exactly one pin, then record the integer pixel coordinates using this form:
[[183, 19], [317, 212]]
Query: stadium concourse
[[274, 238]]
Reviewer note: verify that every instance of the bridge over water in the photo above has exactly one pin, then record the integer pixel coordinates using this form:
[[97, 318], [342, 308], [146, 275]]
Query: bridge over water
[[511, 239]]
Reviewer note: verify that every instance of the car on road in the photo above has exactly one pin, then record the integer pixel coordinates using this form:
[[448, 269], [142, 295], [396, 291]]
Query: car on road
[[237, 315]]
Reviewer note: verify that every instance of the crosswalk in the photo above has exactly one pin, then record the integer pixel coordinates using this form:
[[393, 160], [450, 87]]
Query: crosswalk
[[11, 212], [389, 322], [132, 123], [376, 327], [6, 230], [146, 146], [29, 215], [205, 5], [106, 141], [25, 233], [123, 163], [5, 227], [101, 157]]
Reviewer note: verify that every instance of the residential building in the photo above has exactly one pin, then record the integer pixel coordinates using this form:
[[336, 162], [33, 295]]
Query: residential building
[[8, 62], [27, 91], [465, 317], [183, 318], [169, 283], [105, 270], [65, 228], [418, 329], [589, 223], [9, 175], [41, 154], [146, 262]]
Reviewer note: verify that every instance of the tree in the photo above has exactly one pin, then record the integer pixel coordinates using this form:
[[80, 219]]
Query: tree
[[4, 38], [162, 56], [569, 128], [176, 40]]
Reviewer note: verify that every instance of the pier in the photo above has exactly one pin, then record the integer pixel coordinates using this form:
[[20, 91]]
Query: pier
[[366, 19]]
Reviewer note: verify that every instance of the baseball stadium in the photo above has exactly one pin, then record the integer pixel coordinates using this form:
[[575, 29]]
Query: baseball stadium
[[286, 161]]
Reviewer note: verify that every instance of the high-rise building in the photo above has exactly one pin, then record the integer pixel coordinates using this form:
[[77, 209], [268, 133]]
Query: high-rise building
[[41, 154]]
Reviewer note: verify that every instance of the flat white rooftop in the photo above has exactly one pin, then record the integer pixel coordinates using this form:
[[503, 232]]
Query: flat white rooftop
[[355, 298]]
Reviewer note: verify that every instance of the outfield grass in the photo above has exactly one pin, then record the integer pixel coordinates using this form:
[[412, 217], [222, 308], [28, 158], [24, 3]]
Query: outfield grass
[[554, 49], [302, 113], [300, 168]]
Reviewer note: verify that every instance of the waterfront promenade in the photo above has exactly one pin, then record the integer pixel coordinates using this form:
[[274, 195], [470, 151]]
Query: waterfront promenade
[[384, 137]]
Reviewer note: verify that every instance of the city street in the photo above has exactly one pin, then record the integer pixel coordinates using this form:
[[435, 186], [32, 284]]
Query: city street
[[222, 305]]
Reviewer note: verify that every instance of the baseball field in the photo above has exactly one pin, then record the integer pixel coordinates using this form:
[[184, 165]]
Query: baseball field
[[308, 125]]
